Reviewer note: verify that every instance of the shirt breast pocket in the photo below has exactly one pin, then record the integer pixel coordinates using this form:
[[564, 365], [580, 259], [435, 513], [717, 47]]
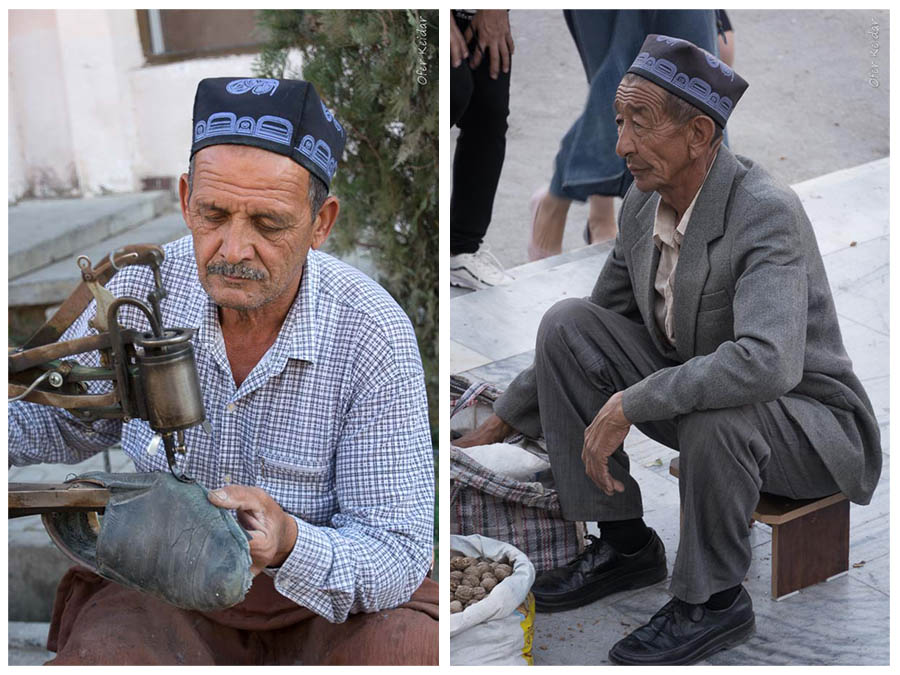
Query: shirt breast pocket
[[305, 490]]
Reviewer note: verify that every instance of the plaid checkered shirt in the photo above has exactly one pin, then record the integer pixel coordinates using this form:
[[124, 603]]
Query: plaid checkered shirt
[[332, 423]]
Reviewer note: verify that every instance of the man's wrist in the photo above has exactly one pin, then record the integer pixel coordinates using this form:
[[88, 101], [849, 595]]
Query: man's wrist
[[498, 428], [288, 541]]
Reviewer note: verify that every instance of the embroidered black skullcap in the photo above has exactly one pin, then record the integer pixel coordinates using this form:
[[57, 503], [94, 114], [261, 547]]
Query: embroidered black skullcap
[[690, 73], [283, 116]]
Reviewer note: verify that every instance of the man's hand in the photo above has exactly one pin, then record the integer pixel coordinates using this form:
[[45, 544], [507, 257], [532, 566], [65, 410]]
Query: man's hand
[[601, 439], [273, 531], [492, 430], [458, 49], [493, 35]]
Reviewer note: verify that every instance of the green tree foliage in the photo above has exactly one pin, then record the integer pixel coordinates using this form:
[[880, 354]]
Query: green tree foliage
[[377, 70]]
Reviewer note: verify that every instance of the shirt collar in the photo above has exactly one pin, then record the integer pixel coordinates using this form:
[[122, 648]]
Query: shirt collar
[[664, 226], [298, 337]]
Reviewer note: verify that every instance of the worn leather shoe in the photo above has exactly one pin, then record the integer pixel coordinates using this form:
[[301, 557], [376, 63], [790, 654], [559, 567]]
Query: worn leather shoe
[[681, 633], [598, 571]]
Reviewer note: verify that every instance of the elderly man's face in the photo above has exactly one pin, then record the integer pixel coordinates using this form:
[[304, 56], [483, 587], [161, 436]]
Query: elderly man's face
[[655, 149], [249, 216]]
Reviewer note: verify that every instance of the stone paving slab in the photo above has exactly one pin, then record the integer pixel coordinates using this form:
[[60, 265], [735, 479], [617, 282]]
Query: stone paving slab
[[53, 283], [46, 230]]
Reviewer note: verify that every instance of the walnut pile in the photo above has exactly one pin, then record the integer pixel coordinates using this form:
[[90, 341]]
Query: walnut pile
[[472, 579]]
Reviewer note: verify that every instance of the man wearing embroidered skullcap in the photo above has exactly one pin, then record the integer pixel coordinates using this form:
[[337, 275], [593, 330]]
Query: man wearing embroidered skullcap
[[712, 329], [315, 394]]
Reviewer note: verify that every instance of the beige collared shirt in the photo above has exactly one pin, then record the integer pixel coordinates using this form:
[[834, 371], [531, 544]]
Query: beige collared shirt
[[668, 233]]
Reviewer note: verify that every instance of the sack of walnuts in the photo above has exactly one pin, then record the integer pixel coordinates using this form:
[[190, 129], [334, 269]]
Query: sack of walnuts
[[491, 608]]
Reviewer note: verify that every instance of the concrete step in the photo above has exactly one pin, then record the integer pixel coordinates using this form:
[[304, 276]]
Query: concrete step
[[43, 231], [51, 284], [28, 643]]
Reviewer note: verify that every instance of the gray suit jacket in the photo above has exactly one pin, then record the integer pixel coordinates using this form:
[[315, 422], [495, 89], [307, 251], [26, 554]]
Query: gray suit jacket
[[754, 321]]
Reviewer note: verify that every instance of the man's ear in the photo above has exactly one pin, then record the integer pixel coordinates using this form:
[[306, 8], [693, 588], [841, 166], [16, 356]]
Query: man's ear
[[703, 128], [183, 196], [325, 220]]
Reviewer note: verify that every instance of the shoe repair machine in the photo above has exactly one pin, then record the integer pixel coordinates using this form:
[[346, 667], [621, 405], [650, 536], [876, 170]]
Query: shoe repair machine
[[153, 374]]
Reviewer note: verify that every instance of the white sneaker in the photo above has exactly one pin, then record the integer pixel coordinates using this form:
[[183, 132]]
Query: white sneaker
[[477, 270]]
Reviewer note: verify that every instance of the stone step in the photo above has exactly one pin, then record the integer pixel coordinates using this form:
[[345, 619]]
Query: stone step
[[28, 643], [51, 284], [42, 231]]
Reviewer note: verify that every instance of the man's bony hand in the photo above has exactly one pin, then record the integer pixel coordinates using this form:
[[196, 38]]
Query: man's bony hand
[[273, 532], [492, 430], [458, 49], [601, 439], [493, 35]]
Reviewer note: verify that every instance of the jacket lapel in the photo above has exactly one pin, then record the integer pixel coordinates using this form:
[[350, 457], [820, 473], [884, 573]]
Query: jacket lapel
[[644, 262], [706, 225]]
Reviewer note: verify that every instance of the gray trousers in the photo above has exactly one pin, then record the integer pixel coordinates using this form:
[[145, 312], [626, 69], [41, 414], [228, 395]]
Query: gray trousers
[[584, 353]]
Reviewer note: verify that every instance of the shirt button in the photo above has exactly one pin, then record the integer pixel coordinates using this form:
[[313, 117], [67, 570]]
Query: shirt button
[[227, 479], [230, 407]]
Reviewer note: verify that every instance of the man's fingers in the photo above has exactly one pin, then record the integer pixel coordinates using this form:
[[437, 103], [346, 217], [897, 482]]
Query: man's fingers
[[458, 50], [504, 57], [250, 520], [455, 54], [477, 56], [494, 61], [510, 44], [236, 497]]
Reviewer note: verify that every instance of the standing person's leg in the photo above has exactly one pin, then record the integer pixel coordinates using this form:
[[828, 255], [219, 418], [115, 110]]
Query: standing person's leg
[[480, 150], [726, 37], [461, 88]]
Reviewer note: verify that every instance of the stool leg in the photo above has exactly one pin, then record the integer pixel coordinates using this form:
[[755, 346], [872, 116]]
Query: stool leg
[[810, 549]]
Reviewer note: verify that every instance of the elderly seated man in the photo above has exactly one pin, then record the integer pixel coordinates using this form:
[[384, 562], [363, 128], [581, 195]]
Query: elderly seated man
[[711, 328], [313, 385]]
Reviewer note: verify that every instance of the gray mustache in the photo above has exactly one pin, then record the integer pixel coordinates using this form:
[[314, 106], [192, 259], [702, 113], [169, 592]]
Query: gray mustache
[[237, 270]]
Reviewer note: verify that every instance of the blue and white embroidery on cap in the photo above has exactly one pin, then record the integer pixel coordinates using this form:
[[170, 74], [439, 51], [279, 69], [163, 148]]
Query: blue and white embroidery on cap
[[319, 152], [329, 116], [695, 87], [270, 127], [257, 85]]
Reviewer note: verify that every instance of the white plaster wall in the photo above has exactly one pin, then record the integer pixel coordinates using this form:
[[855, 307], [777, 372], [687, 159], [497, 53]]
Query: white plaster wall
[[39, 113], [86, 113], [164, 103], [15, 160], [98, 48]]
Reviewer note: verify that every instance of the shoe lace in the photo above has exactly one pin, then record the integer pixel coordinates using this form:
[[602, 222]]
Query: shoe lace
[[672, 617], [594, 543]]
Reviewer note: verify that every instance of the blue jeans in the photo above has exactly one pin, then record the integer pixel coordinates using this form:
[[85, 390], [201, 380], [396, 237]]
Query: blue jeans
[[608, 41]]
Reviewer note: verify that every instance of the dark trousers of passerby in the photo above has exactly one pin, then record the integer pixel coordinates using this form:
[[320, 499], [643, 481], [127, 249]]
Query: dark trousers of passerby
[[479, 106]]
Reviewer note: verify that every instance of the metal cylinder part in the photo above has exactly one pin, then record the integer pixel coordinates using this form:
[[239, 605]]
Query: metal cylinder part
[[170, 381]]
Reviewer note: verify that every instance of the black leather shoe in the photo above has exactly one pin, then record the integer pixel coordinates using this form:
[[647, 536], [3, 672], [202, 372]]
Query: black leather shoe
[[680, 633], [598, 571]]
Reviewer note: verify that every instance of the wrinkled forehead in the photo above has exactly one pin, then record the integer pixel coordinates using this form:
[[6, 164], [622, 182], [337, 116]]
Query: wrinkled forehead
[[635, 95]]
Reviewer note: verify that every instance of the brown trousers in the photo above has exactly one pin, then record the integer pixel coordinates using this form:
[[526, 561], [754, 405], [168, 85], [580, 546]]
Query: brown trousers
[[100, 622]]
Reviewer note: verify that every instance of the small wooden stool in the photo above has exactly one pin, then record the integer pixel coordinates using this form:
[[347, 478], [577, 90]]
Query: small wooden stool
[[810, 538]]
